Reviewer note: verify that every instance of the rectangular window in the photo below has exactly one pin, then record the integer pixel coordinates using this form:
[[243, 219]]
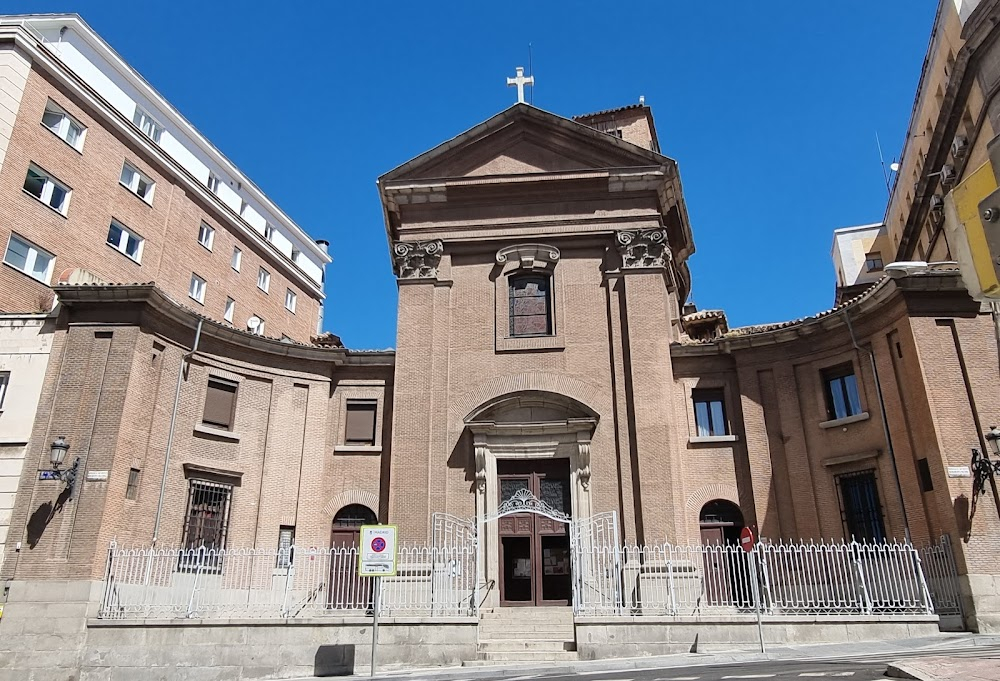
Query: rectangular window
[[47, 189], [263, 279], [197, 289], [206, 524], [230, 310], [924, 472], [360, 427], [150, 128], [268, 231], [213, 182], [873, 262], [220, 403], [841, 388], [710, 412], [530, 305], [4, 382], [290, 298], [137, 183], [124, 240], [237, 258], [206, 236], [296, 254], [132, 489], [861, 510], [286, 538], [67, 128], [28, 258]]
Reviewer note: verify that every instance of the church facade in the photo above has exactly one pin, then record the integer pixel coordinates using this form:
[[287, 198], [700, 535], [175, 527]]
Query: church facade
[[549, 375]]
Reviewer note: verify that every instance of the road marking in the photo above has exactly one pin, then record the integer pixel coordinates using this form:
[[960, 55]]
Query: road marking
[[683, 678], [750, 676], [827, 674]]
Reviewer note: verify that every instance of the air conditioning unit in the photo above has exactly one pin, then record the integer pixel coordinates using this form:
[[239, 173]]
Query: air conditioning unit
[[959, 146], [937, 209], [947, 174]]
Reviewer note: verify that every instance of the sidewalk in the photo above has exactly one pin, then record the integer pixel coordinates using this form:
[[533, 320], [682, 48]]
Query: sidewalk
[[889, 651], [945, 669]]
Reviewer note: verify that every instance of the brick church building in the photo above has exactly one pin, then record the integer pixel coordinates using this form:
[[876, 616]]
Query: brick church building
[[546, 351]]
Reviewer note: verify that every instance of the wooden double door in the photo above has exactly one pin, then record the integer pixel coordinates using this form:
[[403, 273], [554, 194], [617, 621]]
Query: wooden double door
[[535, 558]]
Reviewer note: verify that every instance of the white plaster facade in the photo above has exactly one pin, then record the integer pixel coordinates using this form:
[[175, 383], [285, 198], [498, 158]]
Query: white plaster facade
[[25, 345], [850, 247]]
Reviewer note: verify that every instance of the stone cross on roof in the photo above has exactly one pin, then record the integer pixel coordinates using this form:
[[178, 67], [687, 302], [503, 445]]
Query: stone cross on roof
[[520, 81]]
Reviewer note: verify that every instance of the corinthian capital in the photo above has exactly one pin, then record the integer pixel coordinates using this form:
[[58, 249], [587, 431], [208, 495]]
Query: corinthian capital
[[643, 248], [417, 259]]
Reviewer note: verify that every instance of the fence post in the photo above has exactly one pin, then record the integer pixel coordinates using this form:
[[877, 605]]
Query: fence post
[[194, 586], [670, 579], [765, 579], [288, 573], [924, 591], [866, 601], [107, 580]]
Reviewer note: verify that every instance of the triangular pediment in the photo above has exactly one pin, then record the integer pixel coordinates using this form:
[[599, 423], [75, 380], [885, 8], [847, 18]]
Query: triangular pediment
[[524, 140]]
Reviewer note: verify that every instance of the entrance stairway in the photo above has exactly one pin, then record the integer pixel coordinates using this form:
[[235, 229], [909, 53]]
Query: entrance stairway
[[542, 634]]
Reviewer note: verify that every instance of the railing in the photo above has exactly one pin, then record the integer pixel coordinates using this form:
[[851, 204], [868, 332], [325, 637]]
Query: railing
[[165, 583], [823, 579], [938, 561]]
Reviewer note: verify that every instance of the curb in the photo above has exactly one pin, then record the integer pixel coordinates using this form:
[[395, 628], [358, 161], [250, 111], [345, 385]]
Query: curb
[[900, 670]]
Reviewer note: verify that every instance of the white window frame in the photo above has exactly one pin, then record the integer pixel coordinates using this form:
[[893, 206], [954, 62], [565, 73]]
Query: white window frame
[[66, 123], [229, 310], [149, 126], [196, 289], [290, 300], [134, 181], [122, 245], [268, 231], [48, 189], [31, 259], [296, 254], [4, 384], [206, 235], [237, 260], [213, 182], [263, 280]]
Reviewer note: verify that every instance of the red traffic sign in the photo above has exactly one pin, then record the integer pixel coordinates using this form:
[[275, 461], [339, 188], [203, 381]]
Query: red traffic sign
[[747, 539]]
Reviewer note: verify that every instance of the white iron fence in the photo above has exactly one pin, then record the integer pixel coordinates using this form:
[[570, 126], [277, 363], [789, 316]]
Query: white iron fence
[[848, 578], [817, 579], [164, 583], [938, 561]]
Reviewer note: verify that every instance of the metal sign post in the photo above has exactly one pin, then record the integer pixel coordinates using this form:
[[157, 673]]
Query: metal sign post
[[749, 544], [377, 559]]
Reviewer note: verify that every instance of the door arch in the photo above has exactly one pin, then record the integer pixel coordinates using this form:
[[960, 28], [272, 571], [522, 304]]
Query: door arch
[[721, 522], [348, 590], [726, 576]]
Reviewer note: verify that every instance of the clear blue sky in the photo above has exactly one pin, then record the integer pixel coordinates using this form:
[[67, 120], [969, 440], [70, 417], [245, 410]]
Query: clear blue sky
[[770, 108]]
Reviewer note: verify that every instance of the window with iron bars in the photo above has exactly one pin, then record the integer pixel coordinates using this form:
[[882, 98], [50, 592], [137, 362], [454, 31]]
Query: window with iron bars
[[206, 525], [860, 507]]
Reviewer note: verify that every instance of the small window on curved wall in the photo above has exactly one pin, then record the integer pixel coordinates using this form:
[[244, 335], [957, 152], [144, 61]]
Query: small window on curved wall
[[530, 305]]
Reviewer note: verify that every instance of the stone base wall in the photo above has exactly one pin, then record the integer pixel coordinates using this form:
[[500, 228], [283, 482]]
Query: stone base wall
[[981, 602], [49, 632], [599, 638]]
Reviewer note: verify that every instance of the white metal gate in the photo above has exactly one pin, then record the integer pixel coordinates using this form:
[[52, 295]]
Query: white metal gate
[[594, 546]]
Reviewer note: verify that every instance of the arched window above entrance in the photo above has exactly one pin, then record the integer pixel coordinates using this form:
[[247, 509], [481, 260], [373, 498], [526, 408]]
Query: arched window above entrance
[[354, 515], [721, 522]]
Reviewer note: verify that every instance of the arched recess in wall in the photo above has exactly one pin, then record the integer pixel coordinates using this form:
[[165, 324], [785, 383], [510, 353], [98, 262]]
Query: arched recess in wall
[[368, 499], [720, 522], [500, 386], [698, 499]]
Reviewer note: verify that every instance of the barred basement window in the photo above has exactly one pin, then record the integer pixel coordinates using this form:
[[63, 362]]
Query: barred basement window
[[220, 403], [286, 537], [861, 510], [132, 490], [206, 525], [360, 429]]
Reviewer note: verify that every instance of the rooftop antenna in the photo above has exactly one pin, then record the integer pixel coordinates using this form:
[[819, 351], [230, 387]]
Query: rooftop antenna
[[893, 167]]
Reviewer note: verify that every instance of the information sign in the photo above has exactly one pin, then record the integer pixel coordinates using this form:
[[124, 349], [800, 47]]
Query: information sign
[[377, 557]]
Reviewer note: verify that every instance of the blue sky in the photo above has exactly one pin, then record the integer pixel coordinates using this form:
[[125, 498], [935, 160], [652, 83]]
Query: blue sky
[[770, 108]]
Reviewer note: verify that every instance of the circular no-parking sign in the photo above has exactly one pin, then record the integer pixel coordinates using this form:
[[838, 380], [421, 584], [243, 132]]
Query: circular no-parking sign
[[378, 545]]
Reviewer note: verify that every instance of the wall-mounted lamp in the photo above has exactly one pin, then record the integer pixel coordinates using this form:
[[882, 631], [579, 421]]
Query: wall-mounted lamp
[[57, 454]]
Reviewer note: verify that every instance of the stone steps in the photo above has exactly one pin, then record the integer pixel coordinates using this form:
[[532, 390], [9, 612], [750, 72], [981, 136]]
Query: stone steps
[[529, 635]]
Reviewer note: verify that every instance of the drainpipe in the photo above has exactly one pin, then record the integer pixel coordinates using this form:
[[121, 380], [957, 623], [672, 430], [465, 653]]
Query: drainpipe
[[170, 431], [885, 424]]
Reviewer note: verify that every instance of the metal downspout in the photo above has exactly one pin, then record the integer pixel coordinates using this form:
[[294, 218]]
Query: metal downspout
[[170, 431], [885, 424]]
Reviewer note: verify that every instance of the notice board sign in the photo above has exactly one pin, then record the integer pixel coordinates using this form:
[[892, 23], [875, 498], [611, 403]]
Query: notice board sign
[[377, 557]]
